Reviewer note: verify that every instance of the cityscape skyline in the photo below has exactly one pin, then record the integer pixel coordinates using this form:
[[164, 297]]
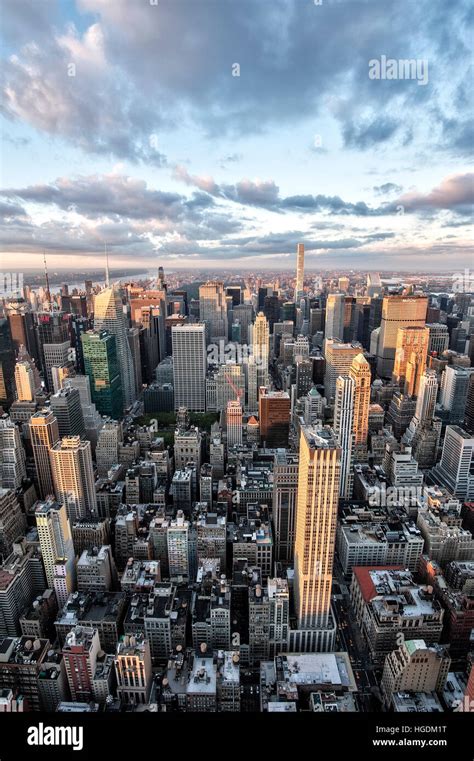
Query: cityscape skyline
[[236, 376]]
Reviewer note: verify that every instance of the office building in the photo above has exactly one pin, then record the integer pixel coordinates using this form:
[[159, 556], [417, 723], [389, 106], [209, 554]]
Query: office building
[[101, 364], [274, 417], [316, 517], [410, 358], [397, 312], [66, 408], [73, 477], [234, 423], [109, 316], [55, 539], [455, 469], [213, 310], [189, 366], [80, 652], [12, 521], [415, 667], [334, 326], [44, 434], [12, 455], [285, 489], [133, 670]]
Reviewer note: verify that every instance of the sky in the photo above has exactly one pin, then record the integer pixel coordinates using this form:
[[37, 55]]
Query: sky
[[220, 133]]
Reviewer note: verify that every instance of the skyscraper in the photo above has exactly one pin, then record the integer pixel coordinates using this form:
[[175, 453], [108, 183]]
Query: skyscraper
[[53, 342], [189, 366], [397, 312], [456, 467], [213, 309], [316, 517], [109, 316], [453, 391], [426, 400], [80, 653], [299, 271], [102, 366], [234, 423], [261, 341], [25, 382], [335, 308], [7, 364], [410, 357], [343, 428], [274, 417], [73, 477], [66, 408], [44, 434], [285, 490], [339, 358], [359, 371], [351, 419], [55, 538], [12, 455]]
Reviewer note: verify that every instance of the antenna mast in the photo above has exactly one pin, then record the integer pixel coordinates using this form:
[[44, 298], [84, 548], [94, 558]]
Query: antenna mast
[[107, 274]]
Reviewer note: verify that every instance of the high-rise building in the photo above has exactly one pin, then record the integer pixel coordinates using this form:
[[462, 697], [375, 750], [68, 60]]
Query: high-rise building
[[109, 316], [96, 571], [339, 357], [73, 477], [415, 667], [316, 518], [102, 367], [274, 417], [426, 400], [213, 310], [397, 312], [80, 653], [299, 271], [335, 307], [25, 382], [133, 670], [12, 521], [44, 434], [285, 489], [410, 357], [22, 327], [7, 364], [343, 428], [108, 443], [55, 538], [57, 363], [178, 549], [261, 341], [66, 408], [439, 337], [453, 392], [456, 467], [12, 455], [189, 366], [234, 423], [230, 384]]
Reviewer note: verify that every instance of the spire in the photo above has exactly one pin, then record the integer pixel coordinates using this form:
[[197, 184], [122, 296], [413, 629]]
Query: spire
[[107, 274], [48, 292]]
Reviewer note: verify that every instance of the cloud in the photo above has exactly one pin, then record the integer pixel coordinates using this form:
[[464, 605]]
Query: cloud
[[387, 188], [143, 69], [455, 192]]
